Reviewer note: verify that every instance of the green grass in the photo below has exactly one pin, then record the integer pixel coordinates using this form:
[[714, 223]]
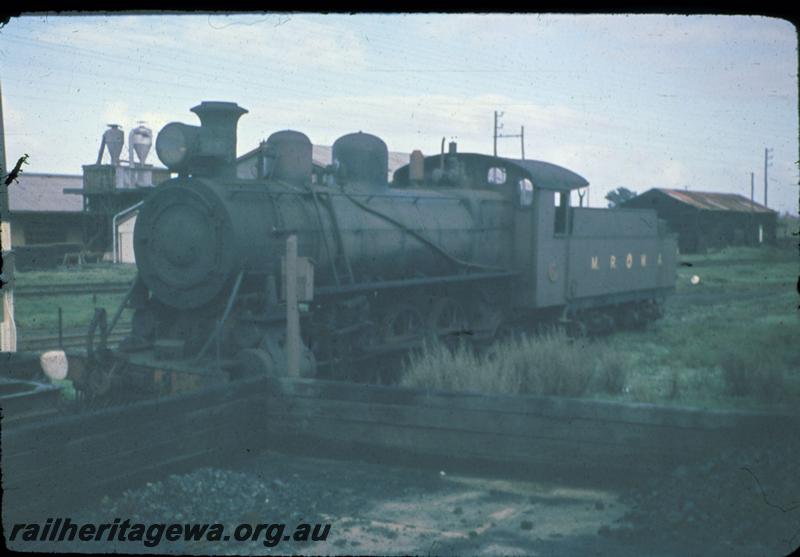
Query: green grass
[[740, 268], [736, 354], [76, 275], [38, 315], [739, 353], [742, 253]]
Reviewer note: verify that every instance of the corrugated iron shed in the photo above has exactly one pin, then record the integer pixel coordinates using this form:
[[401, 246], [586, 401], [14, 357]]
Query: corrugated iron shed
[[44, 193], [711, 201]]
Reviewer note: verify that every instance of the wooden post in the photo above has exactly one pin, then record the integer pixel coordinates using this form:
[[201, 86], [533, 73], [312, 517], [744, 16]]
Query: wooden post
[[292, 314], [8, 329]]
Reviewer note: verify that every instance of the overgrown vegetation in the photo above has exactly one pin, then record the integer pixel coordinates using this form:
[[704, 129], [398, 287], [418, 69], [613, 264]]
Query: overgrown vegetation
[[547, 364], [738, 351]]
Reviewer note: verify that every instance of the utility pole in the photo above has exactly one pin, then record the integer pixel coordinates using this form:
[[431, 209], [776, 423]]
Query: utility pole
[[752, 198], [499, 126], [495, 133], [767, 164]]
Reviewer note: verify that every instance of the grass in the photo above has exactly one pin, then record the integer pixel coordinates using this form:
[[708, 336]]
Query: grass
[[740, 268], [739, 353], [741, 253], [549, 364], [77, 275], [38, 315]]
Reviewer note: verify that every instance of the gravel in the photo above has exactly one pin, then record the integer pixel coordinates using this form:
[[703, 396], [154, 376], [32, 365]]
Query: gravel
[[743, 501], [739, 502]]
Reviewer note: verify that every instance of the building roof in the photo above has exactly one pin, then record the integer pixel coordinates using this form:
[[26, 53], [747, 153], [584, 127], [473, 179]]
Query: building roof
[[712, 201], [44, 193]]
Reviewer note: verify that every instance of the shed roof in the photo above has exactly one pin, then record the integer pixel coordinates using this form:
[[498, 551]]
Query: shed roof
[[713, 201], [44, 193]]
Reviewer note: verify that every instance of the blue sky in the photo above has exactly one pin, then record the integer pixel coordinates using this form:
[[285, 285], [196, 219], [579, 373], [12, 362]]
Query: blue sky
[[638, 101]]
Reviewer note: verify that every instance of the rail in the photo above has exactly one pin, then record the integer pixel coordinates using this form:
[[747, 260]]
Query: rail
[[68, 340]]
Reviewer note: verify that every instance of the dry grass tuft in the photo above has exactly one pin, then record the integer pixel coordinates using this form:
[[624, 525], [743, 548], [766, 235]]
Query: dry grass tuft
[[547, 364]]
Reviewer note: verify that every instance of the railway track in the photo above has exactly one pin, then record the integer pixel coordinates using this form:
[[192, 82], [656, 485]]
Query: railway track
[[67, 340]]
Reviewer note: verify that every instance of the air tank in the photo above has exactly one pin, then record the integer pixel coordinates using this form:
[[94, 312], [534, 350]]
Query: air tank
[[362, 158], [290, 157]]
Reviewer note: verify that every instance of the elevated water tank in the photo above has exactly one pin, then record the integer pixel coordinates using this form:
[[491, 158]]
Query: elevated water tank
[[361, 157]]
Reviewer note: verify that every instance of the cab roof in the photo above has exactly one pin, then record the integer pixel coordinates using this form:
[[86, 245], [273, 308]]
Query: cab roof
[[544, 175]]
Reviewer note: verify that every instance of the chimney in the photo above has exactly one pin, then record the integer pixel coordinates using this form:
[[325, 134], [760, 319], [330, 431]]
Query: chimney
[[218, 122]]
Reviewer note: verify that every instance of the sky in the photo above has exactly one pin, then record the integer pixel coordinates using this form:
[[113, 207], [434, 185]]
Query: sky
[[635, 101]]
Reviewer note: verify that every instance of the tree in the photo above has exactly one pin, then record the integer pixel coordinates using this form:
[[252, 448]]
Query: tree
[[619, 196]]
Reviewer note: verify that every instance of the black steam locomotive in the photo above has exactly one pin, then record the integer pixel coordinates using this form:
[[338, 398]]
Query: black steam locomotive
[[458, 245]]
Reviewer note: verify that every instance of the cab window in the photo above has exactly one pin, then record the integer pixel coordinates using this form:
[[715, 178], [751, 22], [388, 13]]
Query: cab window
[[496, 176], [525, 188]]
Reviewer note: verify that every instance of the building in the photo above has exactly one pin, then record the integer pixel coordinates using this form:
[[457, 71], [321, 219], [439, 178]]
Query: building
[[46, 221], [41, 212], [705, 220], [124, 247]]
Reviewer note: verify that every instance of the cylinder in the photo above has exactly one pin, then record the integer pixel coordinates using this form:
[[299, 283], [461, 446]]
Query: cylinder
[[289, 155], [362, 158]]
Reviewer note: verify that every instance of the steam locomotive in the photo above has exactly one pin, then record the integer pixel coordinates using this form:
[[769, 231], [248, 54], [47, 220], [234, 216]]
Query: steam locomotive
[[458, 245]]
